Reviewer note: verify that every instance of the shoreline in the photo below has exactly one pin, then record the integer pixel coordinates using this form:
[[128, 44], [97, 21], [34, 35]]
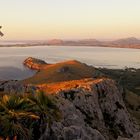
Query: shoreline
[[37, 45], [33, 72]]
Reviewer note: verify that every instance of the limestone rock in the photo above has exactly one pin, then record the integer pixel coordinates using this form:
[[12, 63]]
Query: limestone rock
[[34, 63], [11, 86], [135, 137], [94, 110], [14, 86]]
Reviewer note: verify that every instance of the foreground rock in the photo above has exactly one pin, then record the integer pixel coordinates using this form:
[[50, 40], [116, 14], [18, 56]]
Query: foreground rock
[[16, 87], [135, 137], [91, 110]]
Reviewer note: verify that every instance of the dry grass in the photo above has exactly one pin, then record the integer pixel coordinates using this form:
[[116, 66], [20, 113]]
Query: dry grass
[[132, 99], [53, 88], [64, 71], [133, 104]]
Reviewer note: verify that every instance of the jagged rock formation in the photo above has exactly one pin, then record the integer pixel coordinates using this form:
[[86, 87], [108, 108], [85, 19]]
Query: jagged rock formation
[[135, 137], [91, 110], [16, 87], [34, 63], [12, 86]]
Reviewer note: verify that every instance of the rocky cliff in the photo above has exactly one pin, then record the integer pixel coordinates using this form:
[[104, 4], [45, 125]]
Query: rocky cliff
[[92, 109], [135, 137], [34, 63]]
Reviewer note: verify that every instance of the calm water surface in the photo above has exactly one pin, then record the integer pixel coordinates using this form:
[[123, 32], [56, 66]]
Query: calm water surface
[[11, 59]]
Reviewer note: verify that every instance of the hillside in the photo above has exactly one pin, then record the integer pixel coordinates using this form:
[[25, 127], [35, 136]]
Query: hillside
[[91, 104], [129, 79], [63, 71]]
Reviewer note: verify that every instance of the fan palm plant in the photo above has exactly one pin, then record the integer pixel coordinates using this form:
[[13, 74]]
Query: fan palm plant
[[46, 109], [21, 116], [13, 113]]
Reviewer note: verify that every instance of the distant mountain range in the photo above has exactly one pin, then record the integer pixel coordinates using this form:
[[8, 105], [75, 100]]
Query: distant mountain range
[[127, 41], [131, 42], [123, 43]]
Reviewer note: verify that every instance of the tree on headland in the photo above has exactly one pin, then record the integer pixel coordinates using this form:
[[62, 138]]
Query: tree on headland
[[1, 34]]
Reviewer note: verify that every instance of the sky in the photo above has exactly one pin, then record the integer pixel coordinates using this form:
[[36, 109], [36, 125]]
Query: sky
[[69, 19]]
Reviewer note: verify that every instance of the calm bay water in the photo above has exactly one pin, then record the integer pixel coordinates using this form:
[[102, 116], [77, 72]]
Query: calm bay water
[[11, 59]]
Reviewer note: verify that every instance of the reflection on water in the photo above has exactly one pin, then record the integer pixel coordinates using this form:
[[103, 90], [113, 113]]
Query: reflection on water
[[11, 58]]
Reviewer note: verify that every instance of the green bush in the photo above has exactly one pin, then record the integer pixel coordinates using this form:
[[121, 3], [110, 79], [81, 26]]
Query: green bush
[[25, 117]]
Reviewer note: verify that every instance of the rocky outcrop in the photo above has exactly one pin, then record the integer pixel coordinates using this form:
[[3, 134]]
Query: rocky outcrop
[[12, 86], [91, 110], [34, 63], [135, 137], [16, 87]]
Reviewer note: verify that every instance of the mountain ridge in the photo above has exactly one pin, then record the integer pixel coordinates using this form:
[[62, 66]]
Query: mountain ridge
[[130, 42]]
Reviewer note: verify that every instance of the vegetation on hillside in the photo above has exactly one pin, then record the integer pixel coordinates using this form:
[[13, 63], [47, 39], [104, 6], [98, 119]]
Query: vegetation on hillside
[[26, 117], [129, 79], [59, 72]]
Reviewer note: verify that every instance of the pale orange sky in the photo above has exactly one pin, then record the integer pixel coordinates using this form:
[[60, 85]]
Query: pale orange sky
[[66, 19]]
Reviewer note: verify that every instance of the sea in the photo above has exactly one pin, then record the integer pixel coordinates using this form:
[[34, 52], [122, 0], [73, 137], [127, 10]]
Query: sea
[[12, 68]]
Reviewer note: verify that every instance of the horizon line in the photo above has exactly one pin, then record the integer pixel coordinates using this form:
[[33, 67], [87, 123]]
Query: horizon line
[[69, 39]]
